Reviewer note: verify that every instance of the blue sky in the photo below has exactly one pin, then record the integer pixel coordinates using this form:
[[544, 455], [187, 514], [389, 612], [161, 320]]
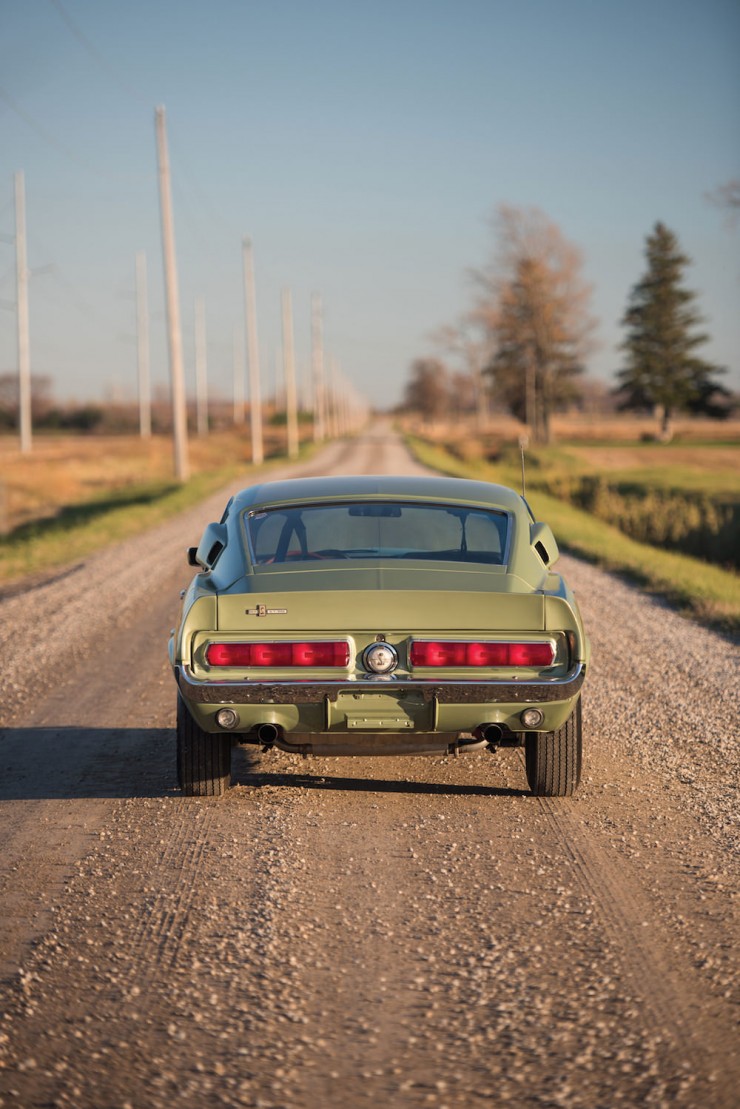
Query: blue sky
[[363, 147]]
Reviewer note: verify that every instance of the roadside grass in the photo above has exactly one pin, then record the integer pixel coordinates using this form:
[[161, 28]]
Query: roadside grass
[[706, 592], [121, 491]]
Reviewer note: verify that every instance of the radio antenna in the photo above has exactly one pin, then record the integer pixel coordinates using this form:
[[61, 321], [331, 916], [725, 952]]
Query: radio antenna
[[523, 442]]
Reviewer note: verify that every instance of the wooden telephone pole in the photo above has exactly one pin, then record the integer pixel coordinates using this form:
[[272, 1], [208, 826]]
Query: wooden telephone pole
[[201, 368], [237, 363], [291, 400], [317, 366], [255, 392], [24, 357], [142, 345], [177, 376]]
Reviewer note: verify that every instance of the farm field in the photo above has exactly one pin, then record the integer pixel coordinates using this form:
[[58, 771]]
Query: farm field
[[683, 497], [705, 466], [67, 470], [668, 514], [63, 470], [704, 457], [76, 493]]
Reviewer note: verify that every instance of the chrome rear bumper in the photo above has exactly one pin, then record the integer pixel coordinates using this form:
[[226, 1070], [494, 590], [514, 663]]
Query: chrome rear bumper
[[463, 692]]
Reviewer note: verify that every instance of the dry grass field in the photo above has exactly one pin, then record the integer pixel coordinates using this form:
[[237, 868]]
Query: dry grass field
[[581, 427], [626, 429], [701, 456], [70, 470], [66, 470], [704, 455]]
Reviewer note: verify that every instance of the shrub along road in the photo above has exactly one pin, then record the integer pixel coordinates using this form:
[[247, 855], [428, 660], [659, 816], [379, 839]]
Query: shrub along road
[[336, 932]]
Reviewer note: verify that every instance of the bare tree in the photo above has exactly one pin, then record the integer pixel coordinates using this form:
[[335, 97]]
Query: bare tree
[[428, 389], [463, 394], [727, 195], [471, 351], [533, 307]]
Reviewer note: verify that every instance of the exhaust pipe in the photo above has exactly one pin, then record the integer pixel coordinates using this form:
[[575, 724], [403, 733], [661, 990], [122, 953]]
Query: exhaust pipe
[[491, 733], [267, 734]]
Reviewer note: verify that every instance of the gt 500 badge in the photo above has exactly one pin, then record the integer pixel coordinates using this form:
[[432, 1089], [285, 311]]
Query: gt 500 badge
[[263, 610]]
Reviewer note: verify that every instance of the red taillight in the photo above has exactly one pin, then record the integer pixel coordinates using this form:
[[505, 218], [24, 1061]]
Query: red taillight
[[455, 653], [335, 653], [530, 654]]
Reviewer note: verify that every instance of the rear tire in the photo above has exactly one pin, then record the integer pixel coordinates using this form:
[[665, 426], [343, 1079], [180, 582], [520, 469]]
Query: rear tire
[[203, 759], [553, 759]]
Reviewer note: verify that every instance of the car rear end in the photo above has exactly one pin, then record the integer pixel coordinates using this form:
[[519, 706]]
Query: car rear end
[[316, 670]]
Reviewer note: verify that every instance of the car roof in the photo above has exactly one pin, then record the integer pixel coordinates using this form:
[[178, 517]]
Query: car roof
[[378, 486]]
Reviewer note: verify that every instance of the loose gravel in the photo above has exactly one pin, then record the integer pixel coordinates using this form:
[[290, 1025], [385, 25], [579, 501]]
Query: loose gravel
[[340, 932]]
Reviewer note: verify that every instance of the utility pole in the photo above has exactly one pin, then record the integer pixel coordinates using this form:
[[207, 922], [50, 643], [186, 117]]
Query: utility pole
[[142, 346], [24, 357], [329, 398], [201, 368], [305, 387], [336, 395], [177, 376], [238, 376], [291, 401], [255, 396], [317, 365]]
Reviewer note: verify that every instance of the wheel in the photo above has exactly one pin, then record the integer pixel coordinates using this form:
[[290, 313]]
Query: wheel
[[203, 759], [553, 759]]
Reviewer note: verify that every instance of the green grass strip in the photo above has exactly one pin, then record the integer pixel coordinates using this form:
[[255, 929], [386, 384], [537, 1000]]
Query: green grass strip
[[706, 592]]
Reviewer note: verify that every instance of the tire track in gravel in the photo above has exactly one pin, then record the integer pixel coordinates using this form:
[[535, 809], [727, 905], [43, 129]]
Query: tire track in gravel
[[350, 928], [629, 919], [165, 927]]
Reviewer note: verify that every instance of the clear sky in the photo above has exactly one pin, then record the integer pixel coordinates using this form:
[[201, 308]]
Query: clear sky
[[363, 146]]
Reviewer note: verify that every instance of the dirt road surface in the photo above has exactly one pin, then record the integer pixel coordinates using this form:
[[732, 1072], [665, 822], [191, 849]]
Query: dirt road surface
[[369, 932]]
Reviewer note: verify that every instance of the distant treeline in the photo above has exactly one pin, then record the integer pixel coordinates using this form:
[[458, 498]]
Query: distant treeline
[[86, 418], [122, 419]]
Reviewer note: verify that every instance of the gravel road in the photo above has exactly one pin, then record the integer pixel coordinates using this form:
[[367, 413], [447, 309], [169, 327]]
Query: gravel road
[[359, 932]]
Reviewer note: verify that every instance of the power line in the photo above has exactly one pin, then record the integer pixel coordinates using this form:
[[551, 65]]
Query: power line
[[94, 53], [33, 124], [41, 131]]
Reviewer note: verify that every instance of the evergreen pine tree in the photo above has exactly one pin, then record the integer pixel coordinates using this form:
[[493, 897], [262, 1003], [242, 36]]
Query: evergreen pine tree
[[662, 371]]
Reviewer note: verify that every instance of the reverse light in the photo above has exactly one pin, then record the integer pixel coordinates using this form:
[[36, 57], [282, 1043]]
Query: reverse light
[[248, 655], [532, 718], [455, 653], [227, 718]]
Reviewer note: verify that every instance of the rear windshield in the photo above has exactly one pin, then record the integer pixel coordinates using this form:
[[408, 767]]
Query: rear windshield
[[374, 530]]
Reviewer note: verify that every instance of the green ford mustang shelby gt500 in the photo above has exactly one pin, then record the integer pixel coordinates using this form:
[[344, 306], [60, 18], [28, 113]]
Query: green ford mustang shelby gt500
[[378, 616]]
